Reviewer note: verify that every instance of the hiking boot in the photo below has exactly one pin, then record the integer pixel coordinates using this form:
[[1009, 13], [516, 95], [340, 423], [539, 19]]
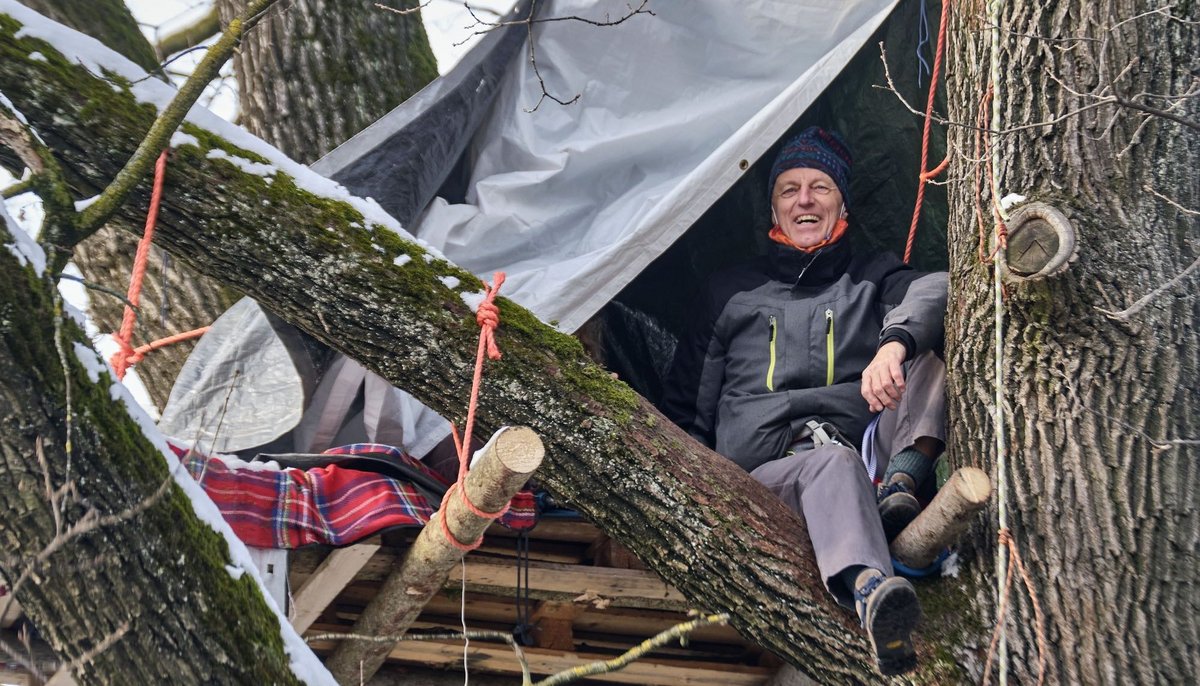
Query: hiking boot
[[889, 610], [897, 506]]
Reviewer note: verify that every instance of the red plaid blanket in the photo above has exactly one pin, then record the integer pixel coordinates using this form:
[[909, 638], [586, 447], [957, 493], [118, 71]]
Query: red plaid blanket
[[290, 508]]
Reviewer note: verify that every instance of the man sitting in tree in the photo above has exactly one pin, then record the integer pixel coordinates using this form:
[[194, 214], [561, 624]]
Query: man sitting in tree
[[799, 358]]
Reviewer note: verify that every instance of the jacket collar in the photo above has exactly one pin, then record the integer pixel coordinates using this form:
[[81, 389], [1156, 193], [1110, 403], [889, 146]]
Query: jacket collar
[[800, 269]]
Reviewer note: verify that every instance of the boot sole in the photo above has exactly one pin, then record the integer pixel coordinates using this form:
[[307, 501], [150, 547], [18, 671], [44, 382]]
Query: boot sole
[[895, 612], [897, 511]]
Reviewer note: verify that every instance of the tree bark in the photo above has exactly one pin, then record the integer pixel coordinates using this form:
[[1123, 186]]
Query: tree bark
[[693, 516], [1101, 493], [174, 298], [314, 75], [144, 575]]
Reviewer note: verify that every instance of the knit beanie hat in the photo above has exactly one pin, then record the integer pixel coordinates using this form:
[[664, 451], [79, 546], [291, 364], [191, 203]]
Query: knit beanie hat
[[815, 148]]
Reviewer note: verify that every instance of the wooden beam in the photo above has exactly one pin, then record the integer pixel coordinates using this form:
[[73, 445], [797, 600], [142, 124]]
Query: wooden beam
[[564, 583], [490, 657], [328, 580], [503, 467], [946, 518]]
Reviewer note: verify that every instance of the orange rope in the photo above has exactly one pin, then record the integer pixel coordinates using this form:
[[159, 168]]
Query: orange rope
[[488, 317], [926, 173], [1006, 539], [141, 351], [125, 353]]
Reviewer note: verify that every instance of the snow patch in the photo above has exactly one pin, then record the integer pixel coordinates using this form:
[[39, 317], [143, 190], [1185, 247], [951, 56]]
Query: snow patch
[[1010, 200], [256, 168], [37, 57], [951, 565], [180, 139], [451, 282], [81, 205], [92, 362], [402, 259], [473, 300], [26, 250]]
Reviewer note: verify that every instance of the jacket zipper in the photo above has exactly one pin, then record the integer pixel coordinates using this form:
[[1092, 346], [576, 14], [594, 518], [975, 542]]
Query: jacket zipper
[[771, 365], [828, 347]]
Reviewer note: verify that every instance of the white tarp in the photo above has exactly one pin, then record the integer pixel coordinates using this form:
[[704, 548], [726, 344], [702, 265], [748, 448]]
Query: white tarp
[[574, 201]]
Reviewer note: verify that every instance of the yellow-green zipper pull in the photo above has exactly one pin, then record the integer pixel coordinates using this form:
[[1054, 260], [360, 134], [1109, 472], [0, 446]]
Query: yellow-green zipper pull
[[771, 366], [829, 347]]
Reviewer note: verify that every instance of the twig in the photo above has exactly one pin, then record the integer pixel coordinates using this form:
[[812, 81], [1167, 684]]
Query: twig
[[623, 660], [1126, 314], [1146, 187], [22, 186], [538, 73], [91, 285], [110, 200], [28, 664], [105, 643], [409, 10]]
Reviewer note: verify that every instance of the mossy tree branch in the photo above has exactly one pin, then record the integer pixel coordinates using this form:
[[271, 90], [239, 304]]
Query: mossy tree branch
[[189, 36], [139, 164]]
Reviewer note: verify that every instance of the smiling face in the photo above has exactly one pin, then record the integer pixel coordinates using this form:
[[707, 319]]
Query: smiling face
[[806, 204]]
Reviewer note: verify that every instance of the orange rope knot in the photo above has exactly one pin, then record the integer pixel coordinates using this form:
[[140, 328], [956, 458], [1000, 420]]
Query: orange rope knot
[[488, 317]]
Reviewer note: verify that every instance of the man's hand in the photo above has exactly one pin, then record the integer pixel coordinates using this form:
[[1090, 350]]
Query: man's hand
[[883, 379]]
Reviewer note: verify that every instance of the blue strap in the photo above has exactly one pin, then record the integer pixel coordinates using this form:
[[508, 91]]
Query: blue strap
[[911, 573]]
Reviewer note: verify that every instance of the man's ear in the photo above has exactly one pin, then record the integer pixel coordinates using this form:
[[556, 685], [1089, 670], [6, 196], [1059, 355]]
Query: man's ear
[[774, 220], [843, 215]]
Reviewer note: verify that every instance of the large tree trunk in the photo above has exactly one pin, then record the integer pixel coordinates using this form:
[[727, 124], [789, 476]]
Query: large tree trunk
[[130, 586], [696, 518], [316, 74], [1102, 496]]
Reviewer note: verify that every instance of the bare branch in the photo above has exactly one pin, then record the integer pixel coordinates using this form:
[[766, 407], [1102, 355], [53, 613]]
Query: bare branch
[[1128, 313], [23, 186], [623, 660], [189, 36], [1146, 187], [98, 649]]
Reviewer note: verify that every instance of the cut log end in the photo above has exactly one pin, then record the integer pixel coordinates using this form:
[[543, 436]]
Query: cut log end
[[519, 449], [940, 524]]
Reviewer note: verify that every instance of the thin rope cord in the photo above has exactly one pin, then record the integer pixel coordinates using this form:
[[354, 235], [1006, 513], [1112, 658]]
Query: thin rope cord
[[121, 360], [926, 173], [1002, 572], [462, 614]]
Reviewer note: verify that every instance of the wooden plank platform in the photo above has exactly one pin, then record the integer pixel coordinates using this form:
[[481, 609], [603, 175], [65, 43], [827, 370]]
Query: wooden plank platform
[[581, 610]]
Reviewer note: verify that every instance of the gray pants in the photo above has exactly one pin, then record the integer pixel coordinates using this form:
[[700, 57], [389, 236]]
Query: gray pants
[[829, 487]]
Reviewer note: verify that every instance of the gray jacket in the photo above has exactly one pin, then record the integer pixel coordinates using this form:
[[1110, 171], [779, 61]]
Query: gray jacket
[[784, 339]]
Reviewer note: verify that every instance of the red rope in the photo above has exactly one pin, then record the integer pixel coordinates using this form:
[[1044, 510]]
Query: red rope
[[125, 354], [488, 317], [926, 173], [141, 351]]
